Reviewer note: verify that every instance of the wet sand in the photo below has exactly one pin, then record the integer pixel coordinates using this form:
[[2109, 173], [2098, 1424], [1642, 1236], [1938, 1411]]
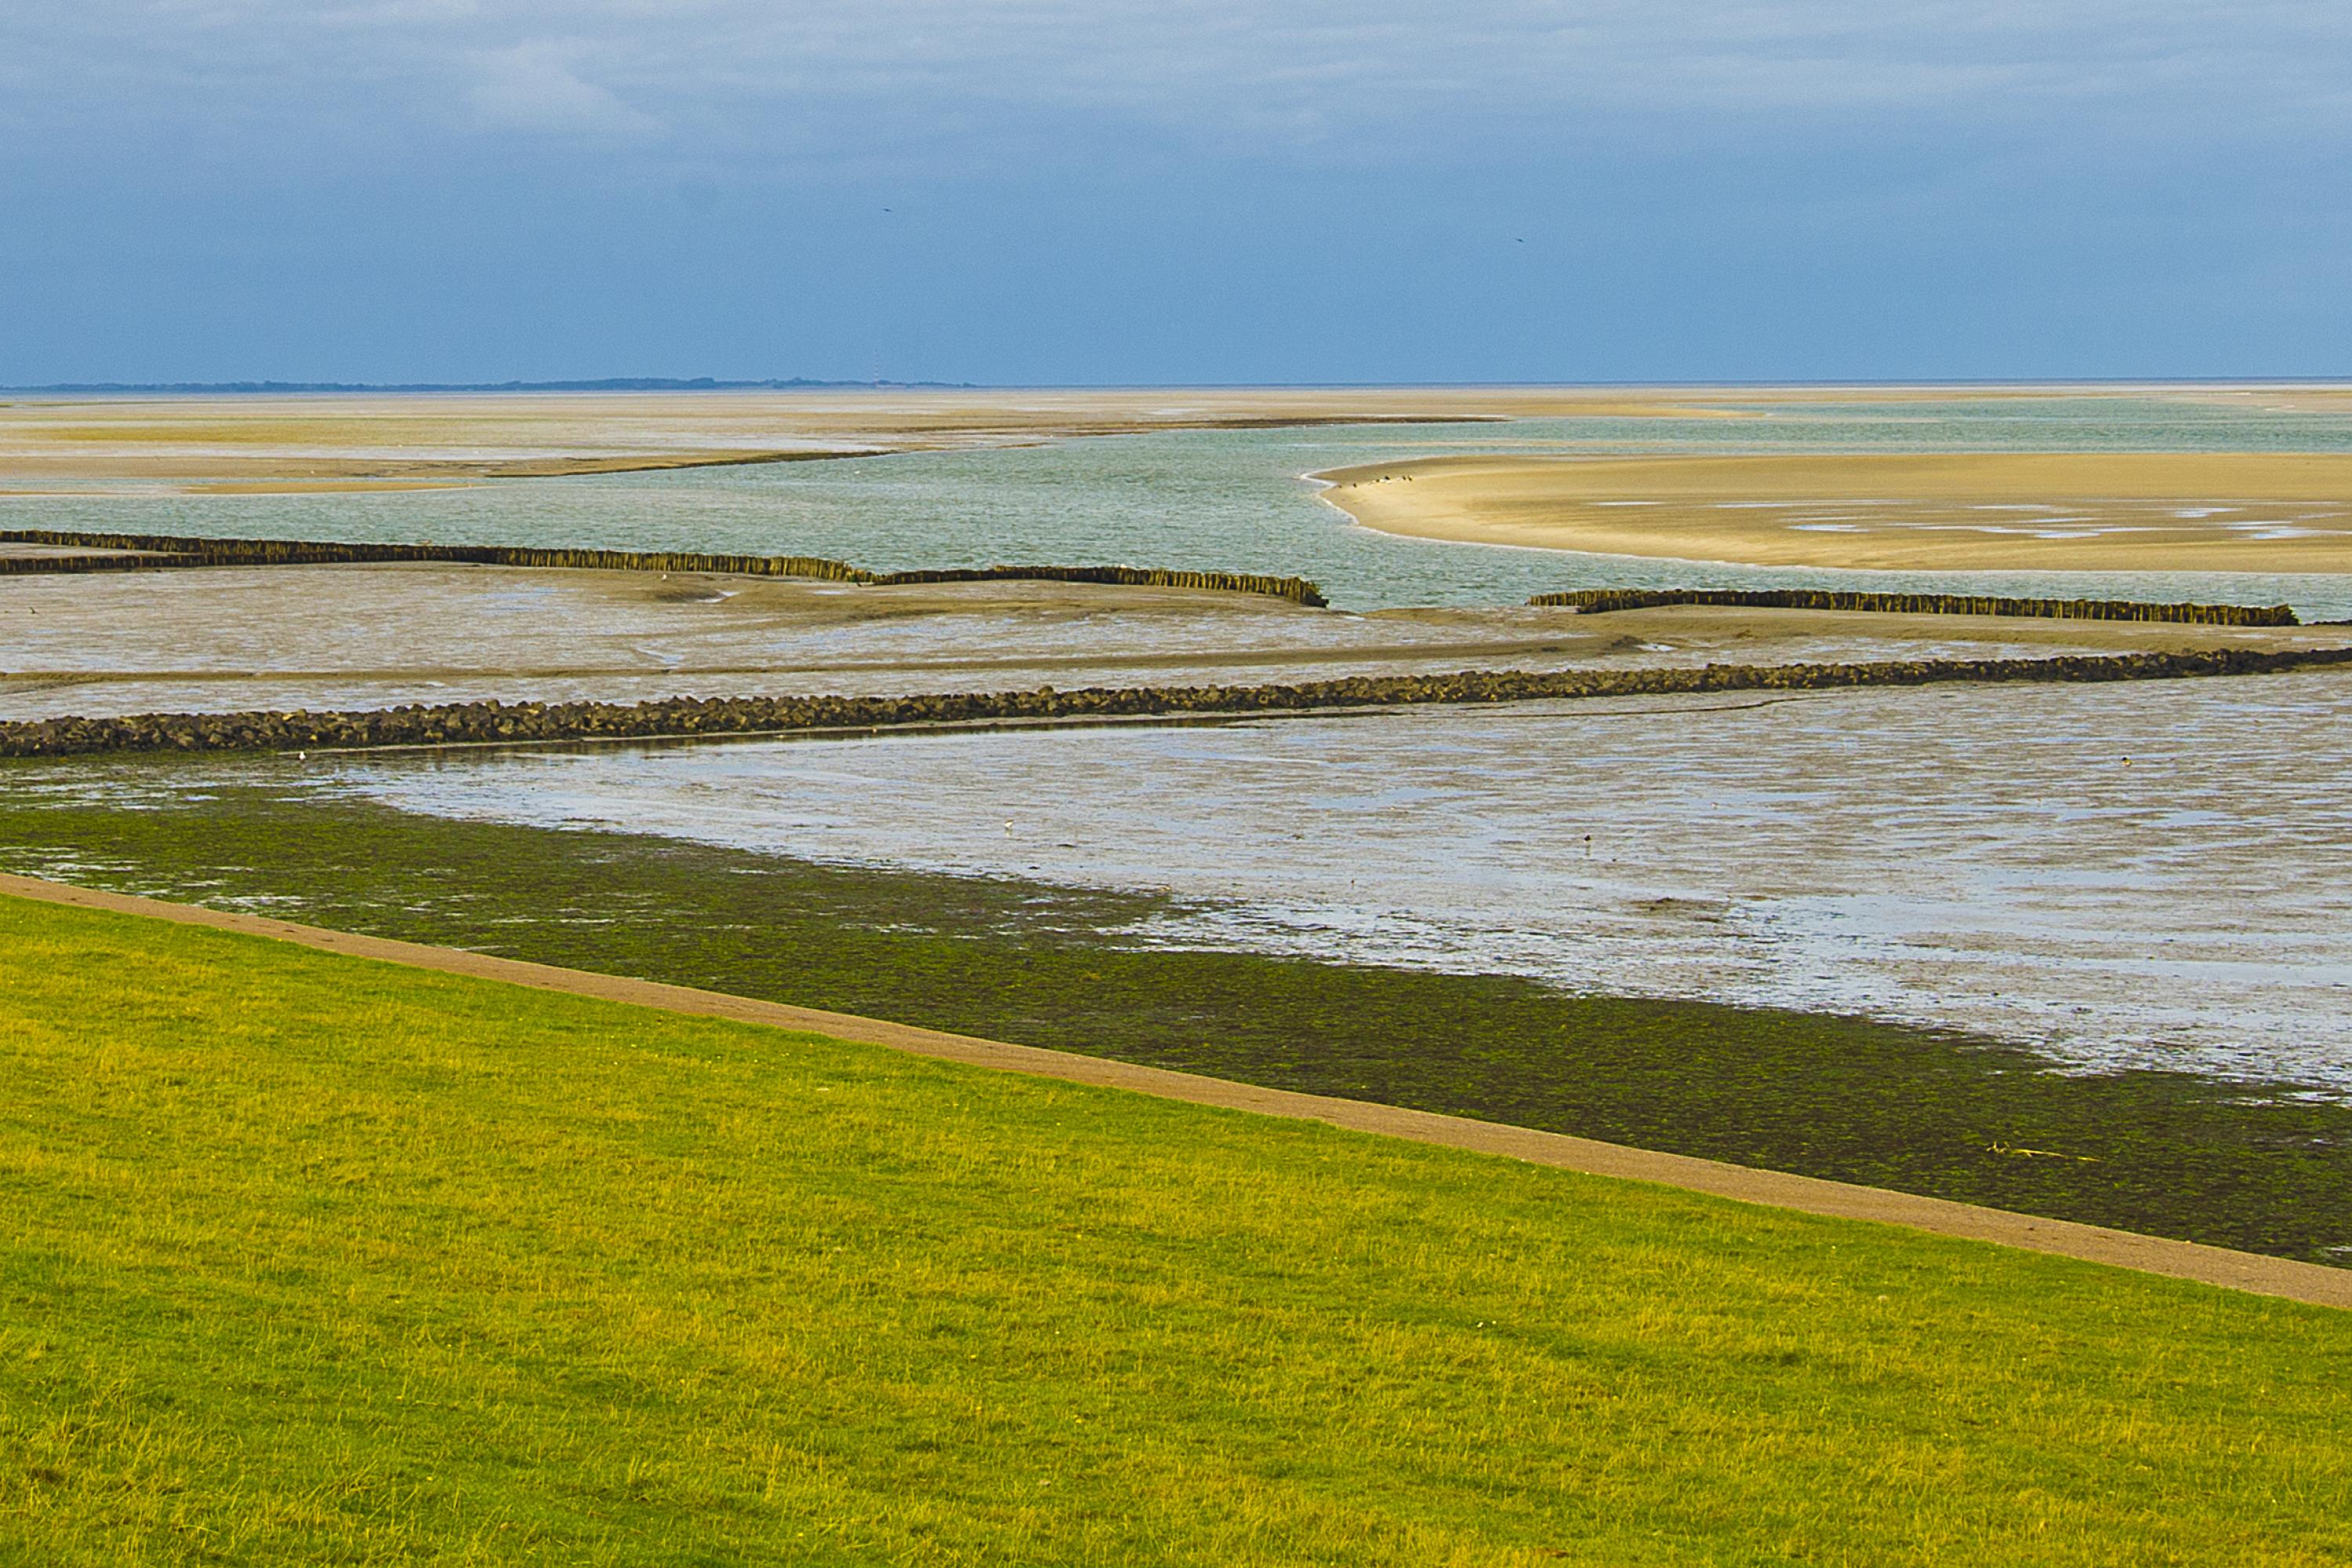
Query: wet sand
[[2011, 512], [371, 637]]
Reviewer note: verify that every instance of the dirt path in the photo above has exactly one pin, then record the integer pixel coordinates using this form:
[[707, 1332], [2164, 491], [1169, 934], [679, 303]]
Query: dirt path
[[2180, 1259]]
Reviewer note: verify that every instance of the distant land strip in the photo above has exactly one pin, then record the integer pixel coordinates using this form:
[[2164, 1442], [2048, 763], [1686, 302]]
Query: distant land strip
[[495, 722], [607, 383], [1600, 600], [160, 551]]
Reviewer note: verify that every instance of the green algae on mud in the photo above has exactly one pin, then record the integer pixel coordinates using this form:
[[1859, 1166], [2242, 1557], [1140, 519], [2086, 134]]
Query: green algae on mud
[[2260, 1167]]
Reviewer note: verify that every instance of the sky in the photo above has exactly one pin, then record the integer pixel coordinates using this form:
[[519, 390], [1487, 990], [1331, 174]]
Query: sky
[[1032, 191]]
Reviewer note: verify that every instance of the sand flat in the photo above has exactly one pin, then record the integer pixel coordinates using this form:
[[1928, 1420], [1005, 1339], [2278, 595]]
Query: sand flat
[[2051, 511], [298, 439]]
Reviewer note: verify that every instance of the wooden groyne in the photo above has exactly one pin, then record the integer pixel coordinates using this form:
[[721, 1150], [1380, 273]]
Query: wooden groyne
[[1599, 600], [160, 551], [164, 552], [492, 721], [1297, 590]]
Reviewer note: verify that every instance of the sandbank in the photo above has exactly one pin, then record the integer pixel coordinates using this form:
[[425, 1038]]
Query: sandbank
[[2026, 511], [144, 440], [295, 439]]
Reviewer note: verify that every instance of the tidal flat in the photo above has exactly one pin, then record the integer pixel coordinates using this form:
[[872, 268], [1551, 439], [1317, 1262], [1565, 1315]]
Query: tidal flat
[[2074, 950], [2135, 874], [228, 639]]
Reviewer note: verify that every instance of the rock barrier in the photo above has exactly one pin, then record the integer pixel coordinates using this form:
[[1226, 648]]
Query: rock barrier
[[1600, 600], [1297, 590], [493, 721], [154, 552]]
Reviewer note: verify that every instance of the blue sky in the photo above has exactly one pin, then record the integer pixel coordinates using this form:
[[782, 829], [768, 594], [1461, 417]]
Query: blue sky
[[1027, 191]]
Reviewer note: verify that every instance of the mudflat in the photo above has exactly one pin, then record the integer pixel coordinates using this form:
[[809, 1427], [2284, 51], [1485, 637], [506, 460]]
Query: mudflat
[[373, 636], [2036, 510]]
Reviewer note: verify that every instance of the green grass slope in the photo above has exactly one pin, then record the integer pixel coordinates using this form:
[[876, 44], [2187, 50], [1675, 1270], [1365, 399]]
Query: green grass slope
[[308, 1259]]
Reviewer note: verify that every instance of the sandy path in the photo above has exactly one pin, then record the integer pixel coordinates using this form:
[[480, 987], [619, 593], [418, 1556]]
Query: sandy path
[[1950, 511], [2178, 1259]]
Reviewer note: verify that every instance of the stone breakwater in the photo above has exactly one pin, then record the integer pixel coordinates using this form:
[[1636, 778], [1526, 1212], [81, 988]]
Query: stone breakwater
[[474, 723], [163, 551], [1599, 600], [1297, 590]]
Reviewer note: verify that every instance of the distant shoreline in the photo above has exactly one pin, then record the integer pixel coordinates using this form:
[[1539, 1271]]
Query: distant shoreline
[[790, 383], [609, 384]]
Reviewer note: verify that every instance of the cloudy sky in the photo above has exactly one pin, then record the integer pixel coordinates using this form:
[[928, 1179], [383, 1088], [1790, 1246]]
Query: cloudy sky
[[1035, 190]]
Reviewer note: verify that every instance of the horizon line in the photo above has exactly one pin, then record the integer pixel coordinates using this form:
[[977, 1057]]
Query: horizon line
[[787, 384]]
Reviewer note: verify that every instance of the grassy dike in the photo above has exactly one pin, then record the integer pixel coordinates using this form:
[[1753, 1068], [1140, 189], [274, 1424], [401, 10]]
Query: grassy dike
[[310, 1259], [1924, 1112]]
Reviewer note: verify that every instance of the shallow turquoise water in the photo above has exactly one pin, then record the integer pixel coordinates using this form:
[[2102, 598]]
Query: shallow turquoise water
[[1236, 501]]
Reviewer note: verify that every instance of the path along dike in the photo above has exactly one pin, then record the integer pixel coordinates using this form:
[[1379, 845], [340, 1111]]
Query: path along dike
[[2310, 1282]]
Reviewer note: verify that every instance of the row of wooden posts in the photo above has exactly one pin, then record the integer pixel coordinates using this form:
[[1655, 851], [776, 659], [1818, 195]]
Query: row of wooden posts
[[1600, 600], [150, 551], [143, 552]]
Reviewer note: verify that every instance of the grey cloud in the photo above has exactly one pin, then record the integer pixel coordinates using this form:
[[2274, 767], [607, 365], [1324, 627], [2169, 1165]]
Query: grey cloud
[[537, 86], [738, 73]]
